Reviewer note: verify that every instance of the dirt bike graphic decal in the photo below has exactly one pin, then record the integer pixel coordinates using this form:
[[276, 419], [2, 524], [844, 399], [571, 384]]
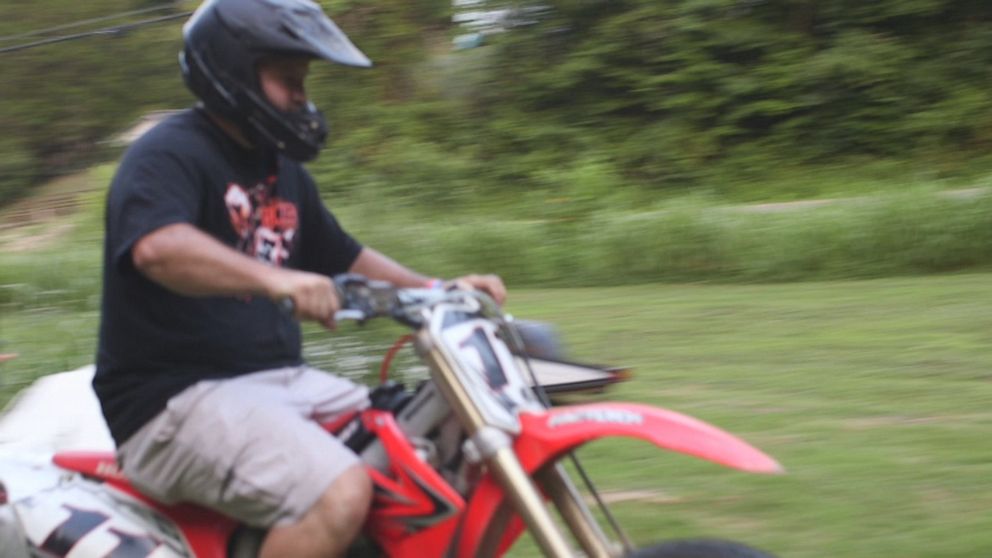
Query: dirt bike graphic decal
[[427, 507], [75, 519], [83, 522], [495, 375], [79, 524]]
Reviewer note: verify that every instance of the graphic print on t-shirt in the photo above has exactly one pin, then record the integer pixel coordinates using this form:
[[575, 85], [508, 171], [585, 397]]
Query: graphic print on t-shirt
[[266, 224]]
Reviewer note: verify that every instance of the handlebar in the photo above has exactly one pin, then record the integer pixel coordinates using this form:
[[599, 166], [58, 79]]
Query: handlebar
[[288, 307], [345, 315], [363, 299]]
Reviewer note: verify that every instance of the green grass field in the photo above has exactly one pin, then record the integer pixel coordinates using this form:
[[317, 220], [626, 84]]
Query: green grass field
[[875, 395]]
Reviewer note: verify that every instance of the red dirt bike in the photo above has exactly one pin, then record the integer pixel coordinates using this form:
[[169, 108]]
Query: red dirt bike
[[461, 465]]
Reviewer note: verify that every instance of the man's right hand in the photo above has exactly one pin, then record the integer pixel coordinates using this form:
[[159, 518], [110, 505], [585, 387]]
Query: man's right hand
[[190, 262], [314, 296]]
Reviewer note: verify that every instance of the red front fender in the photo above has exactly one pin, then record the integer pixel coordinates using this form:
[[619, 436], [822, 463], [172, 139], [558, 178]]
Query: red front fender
[[546, 436]]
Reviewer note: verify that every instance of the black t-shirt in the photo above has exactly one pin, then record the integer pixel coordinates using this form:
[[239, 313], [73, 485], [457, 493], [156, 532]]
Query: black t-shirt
[[153, 342]]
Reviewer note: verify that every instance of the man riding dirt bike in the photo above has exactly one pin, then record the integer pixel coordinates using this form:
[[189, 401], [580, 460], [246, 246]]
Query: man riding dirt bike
[[211, 223], [217, 244], [462, 464]]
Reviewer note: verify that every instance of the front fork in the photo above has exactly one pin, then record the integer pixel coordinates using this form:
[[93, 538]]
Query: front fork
[[497, 452], [576, 514]]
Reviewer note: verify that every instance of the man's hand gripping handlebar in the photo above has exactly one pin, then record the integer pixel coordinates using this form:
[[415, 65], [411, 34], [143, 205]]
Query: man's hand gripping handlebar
[[362, 299], [356, 298]]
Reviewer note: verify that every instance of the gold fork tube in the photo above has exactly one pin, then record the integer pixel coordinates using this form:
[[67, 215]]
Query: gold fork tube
[[520, 489], [576, 513], [529, 504], [447, 381]]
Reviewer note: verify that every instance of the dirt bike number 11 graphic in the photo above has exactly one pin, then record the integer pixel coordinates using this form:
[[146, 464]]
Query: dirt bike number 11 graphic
[[72, 520]]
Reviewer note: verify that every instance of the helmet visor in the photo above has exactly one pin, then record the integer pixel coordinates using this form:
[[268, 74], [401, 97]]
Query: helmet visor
[[288, 26], [321, 37]]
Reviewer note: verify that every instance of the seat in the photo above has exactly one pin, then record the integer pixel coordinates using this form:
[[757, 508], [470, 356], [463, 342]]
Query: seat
[[101, 465]]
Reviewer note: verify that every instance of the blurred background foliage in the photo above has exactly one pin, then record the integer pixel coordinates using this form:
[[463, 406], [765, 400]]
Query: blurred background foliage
[[593, 101], [596, 143]]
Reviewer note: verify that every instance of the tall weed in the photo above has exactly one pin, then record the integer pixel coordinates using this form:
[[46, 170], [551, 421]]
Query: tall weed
[[578, 240]]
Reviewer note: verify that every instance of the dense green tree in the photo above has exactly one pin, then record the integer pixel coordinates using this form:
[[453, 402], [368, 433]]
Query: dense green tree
[[672, 87], [575, 97], [60, 103]]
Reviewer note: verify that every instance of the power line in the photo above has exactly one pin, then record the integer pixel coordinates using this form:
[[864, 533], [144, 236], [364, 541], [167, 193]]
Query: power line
[[116, 30], [88, 22]]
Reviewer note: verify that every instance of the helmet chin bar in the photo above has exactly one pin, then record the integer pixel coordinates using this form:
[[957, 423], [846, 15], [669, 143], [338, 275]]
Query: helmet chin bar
[[300, 134], [223, 42]]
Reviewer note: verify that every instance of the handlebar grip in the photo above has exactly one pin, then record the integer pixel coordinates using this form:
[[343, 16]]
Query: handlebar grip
[[356, 315], [287, 306], [345, 280]]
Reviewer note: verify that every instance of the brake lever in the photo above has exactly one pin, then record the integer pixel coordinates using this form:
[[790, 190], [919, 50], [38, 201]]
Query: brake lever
[[288, 307], [353, 315]]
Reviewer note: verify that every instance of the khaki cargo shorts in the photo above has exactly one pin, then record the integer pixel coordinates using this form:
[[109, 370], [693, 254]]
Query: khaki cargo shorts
[[249, 447]]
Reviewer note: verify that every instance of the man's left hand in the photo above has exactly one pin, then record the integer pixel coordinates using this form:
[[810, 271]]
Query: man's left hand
[[489, 284]]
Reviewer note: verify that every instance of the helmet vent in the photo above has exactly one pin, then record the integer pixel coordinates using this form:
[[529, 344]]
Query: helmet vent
[[290, 30]]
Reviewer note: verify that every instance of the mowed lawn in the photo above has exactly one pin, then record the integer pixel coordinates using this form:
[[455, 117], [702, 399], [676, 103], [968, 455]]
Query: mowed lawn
[[875, 395]]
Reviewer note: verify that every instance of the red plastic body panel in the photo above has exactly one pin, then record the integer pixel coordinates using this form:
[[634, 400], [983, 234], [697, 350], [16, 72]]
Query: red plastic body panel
[[482, 507], [549, 435], [335, 425], [415, 512], [207, 532]]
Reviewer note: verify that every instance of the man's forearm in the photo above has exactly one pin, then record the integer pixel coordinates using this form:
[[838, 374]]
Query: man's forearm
[[188, 261], [376, 265]]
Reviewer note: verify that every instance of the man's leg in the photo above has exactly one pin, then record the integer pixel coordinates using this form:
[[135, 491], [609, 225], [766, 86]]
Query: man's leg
[[248, 447], [329, 526]]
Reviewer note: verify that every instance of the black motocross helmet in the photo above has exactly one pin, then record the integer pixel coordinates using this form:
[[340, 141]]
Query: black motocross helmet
[[224, 40]]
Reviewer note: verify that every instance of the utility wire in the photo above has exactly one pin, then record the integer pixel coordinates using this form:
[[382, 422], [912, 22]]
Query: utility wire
[[88, 22], [98, 32]]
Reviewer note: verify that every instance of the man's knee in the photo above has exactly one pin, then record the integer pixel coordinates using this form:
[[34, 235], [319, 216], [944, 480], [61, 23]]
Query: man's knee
[[330, 525], [346, 501]]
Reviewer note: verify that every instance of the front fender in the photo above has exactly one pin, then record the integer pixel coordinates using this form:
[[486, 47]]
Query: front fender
[[547, 435]]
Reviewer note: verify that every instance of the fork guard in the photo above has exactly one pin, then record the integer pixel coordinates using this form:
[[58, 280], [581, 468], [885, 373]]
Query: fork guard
[[547, 436]]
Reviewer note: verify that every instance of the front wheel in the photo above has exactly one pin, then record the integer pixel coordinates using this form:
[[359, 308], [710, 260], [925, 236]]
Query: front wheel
[[699, 549]]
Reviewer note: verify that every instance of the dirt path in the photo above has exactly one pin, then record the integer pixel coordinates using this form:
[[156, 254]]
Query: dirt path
[[40, 220]]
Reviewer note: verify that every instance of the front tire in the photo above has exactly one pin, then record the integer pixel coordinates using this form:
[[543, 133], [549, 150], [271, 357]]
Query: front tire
[[699, 549]]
